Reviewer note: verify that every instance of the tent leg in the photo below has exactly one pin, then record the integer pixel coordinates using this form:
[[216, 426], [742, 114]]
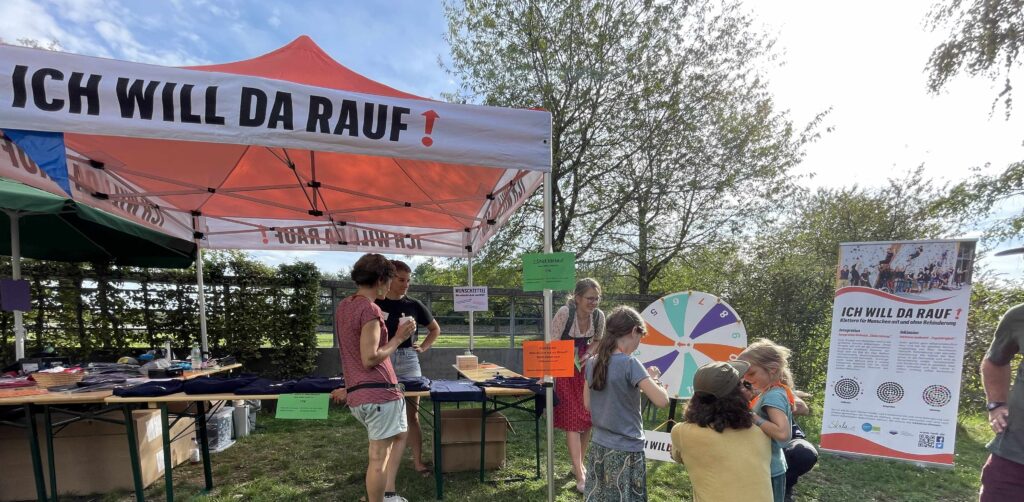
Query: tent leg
[[470, 280], [548, 381], [19, 322], [202, 300]]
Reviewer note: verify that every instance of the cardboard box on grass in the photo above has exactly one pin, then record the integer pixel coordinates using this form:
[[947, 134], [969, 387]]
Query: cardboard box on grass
[[460, 440], [91, 455]]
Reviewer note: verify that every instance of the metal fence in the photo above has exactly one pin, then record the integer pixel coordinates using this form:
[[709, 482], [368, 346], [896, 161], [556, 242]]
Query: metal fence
[[513, 315]]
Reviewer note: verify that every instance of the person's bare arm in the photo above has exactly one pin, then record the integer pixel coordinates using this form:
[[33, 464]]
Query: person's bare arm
[[777, 426], [433, 331], [369, 351], [586, 395], [654, 391], [996, 380], [800, 407]]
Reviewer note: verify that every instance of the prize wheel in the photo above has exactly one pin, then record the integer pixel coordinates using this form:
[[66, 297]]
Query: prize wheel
[[686, 331]]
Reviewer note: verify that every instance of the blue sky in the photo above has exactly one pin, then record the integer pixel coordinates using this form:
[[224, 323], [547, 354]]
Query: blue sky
[[868, 68]]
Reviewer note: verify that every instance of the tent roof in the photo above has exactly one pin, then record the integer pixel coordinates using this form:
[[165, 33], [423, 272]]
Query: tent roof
[[439, 184], [304, 62]]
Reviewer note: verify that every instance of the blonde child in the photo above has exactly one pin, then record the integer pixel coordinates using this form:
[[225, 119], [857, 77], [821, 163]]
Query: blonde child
[[773, 408]]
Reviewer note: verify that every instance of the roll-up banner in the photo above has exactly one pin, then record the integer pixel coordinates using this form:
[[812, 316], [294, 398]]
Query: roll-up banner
[[899, 325]]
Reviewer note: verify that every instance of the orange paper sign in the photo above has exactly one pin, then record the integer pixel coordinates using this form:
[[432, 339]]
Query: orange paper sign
[[555, 359]]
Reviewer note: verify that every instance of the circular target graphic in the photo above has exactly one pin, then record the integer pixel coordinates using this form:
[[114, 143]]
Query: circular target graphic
[[890, 392], [937, 395], [685, 331], [846, 388]]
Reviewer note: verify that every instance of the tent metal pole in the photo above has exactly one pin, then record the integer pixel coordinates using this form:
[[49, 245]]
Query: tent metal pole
[[470, 279], [19, 322], [201, 294], [548, 381]]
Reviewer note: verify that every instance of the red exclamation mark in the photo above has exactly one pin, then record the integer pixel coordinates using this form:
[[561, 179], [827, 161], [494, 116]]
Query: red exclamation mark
[[263, 232], [958, 313], [431, 116]]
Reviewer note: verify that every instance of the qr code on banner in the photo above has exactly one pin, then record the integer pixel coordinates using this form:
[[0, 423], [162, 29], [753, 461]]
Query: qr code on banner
[[931, 440]]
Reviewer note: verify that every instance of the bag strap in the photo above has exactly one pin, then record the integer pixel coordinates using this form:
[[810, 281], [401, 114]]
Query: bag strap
[[569, 323]]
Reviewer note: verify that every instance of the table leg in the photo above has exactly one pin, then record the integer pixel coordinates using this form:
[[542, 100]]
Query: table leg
[[33, 443], [536, 434], [204, 443], [438, 477], [51, 463], [133, 451], [483, 437], [168, 475]]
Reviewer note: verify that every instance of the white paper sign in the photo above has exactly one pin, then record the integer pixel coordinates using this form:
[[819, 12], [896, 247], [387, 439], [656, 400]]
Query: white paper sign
[[658, 446], [470, 298]]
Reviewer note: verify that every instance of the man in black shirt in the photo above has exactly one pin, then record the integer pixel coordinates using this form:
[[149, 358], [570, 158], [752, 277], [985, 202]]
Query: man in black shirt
[[406, 360]]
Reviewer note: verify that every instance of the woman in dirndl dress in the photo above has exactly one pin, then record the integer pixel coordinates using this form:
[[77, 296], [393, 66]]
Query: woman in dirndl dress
[[581, 321]]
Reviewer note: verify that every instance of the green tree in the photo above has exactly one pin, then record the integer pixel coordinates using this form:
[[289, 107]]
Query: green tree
[[581, 60], [715, 154], [985, 39], [785, 284]]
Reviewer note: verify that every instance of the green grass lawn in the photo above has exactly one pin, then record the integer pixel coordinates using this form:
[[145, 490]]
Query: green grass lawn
[[325, 460]]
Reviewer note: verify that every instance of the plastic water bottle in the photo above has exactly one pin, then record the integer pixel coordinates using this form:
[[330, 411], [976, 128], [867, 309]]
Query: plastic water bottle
[[197, 358], [195, 457]]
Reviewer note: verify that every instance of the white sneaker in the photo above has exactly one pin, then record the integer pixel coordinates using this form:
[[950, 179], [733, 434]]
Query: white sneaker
[[396, 498]]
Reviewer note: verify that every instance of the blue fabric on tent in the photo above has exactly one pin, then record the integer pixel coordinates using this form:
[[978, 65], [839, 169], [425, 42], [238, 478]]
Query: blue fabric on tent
[[47, 150], [451, 391]]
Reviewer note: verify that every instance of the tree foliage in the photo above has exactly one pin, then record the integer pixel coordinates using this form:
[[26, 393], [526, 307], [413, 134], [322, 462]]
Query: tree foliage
[[97, 310], [985, 39], [664, 135], [783, 283], [584, 61]]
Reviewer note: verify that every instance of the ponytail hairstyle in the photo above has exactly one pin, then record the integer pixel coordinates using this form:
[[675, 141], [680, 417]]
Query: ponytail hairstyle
[[621, 323], [772, 357]]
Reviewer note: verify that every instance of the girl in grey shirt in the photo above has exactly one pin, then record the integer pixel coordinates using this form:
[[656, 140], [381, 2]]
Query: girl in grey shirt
[[616, 470]]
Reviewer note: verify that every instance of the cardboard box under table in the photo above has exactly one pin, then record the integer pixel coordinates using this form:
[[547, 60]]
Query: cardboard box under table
[[460, 440], [200, 401], [90, 456]]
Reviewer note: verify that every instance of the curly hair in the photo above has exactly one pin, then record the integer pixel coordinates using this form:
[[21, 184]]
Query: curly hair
[[731, 411], [372, 269]]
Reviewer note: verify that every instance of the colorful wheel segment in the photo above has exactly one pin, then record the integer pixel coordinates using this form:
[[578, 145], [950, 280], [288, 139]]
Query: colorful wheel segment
[[686, 331]]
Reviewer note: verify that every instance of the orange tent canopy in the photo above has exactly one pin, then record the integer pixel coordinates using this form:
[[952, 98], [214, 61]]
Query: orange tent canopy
[[336, 161]]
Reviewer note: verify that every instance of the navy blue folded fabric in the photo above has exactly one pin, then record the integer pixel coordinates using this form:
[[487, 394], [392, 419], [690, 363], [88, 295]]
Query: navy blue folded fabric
[[450, 391], [513, 383], [539, 403], [214, 385], [266, 386], [151, 389], [415, 384], [317, 385]]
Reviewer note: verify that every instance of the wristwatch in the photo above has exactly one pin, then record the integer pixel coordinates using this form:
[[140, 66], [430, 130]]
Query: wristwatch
[[994, 404]]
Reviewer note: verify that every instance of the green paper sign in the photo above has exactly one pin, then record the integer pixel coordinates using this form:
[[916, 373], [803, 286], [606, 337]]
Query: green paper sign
[[302, 406], [555, 271]]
